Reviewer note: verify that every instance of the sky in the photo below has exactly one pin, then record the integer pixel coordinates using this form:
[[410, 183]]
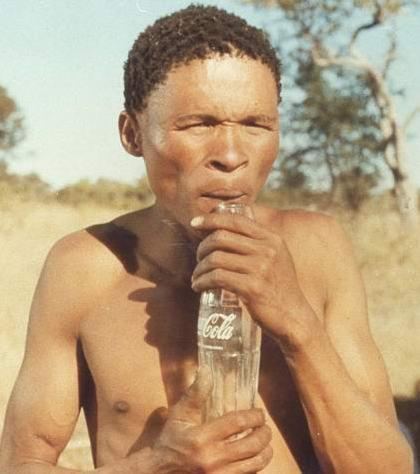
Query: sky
[[62, 62]]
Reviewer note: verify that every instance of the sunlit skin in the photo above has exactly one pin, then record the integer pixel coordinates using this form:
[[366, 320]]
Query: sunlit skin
[[114, 317], [219, 134]]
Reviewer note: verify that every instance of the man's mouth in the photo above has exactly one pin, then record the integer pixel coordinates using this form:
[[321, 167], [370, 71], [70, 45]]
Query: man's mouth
[[224, 195]]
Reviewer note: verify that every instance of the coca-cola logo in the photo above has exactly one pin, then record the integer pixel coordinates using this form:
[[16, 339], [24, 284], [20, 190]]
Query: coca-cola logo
[[219, 326]]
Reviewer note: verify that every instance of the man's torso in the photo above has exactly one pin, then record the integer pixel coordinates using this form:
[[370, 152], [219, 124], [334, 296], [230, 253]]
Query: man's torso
[[139, 345]]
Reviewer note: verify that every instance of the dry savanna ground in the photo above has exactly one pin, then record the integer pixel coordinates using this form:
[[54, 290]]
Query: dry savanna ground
[[390, 264]]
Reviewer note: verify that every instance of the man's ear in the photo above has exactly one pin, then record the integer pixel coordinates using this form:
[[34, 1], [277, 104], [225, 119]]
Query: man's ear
[[130, 134]]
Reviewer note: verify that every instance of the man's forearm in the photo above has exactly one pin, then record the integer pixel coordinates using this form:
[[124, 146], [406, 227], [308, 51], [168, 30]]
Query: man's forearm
[[142, 462], [348, 432], [38, 468]]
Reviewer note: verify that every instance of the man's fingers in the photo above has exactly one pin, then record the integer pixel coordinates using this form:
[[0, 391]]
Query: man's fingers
[[220, 278], [234, 423], [227, 241], [188, 409], [227, 261], [232, 222], [251, 465], [249, 445]]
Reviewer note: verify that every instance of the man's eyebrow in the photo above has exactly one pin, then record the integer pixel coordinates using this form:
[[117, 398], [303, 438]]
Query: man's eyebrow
[[199, 117], [259, 118], [262, 118]]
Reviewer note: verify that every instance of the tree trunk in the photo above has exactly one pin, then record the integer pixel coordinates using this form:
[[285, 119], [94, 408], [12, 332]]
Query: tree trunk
[[392, 132], [407, 200], [404, 188]]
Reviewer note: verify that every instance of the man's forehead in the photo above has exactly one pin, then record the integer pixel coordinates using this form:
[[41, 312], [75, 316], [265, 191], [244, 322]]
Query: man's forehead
[[216, 80], [216, 64]]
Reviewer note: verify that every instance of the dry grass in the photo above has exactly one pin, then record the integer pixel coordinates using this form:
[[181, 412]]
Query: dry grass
[[389, 261]]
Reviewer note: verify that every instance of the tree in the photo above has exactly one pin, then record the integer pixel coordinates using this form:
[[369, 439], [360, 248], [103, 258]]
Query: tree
[[344, 117], [339, 157], [11, 123], [26, 187]]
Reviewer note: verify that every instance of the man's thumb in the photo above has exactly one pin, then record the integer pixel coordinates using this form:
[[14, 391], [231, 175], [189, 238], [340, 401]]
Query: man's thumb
[[190, 405]]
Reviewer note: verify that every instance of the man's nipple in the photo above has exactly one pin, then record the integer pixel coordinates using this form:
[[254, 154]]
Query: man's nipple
[[121, 406]]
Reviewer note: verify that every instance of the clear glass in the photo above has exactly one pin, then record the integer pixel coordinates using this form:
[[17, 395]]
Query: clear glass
[[229, 342]]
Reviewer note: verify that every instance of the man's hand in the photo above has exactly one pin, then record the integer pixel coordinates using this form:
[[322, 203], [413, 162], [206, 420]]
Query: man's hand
[[186, 446], [239, 255]]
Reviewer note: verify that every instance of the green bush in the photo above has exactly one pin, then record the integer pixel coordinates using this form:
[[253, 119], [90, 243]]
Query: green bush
[[29, 187], [103, 192], [107, 193]]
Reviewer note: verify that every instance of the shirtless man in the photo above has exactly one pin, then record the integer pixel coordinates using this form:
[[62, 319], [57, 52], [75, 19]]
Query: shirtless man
[[113, 322]]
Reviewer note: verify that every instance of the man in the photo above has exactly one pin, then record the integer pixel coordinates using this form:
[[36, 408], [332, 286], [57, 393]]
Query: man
[[113, 322]]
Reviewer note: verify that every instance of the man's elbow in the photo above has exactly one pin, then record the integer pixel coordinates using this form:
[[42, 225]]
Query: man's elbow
[[407, 454], [399, 459], [16, 461]]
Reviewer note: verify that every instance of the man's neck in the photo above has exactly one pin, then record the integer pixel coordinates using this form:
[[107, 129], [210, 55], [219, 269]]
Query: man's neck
[[166, 246]]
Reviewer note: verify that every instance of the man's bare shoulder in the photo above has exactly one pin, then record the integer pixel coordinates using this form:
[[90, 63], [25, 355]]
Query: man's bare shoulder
[[317, 242], [307, 227], [97, 256], [83, 251]]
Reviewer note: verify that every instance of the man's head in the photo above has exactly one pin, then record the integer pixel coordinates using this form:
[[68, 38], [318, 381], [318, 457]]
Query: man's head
[[196, 32], [202, 93]]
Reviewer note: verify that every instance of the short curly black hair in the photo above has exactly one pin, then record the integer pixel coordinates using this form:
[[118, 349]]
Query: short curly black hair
[[195, 32]]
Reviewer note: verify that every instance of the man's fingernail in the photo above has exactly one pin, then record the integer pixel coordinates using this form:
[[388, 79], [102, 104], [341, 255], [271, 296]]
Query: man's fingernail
[[197, 221]]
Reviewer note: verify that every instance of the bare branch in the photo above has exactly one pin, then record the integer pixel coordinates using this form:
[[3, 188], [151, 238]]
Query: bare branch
[[388, 123], [301, 152], [391, 54], [410, 118], [298, 155], [323, 59], [378, 19]]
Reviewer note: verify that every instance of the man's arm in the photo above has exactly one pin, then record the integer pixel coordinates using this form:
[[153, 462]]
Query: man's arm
[[46, 399], [341, 376], [337, 369], [44, 405]]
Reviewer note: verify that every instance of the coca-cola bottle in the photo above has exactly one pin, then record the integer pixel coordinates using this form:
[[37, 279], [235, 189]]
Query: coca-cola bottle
[[229, 344]]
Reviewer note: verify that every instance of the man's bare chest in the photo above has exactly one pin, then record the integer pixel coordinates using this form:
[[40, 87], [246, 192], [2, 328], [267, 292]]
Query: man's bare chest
[[140, 348], [139, 343]]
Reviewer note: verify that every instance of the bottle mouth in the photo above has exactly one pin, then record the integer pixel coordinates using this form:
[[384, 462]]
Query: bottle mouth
[[230, 206], [234, 208]]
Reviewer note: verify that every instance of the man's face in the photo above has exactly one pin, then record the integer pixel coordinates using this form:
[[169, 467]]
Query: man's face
[[210, 133]]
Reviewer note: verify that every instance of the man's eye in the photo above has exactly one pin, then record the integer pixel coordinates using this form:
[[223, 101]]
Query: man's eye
[[197, 125], [203, 124], [256, 125]]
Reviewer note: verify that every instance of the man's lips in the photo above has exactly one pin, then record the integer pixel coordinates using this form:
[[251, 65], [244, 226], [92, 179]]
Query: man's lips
[[223, 194]]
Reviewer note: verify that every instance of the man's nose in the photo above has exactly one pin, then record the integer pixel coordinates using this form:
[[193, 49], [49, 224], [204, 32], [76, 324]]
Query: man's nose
[[228, 151]]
